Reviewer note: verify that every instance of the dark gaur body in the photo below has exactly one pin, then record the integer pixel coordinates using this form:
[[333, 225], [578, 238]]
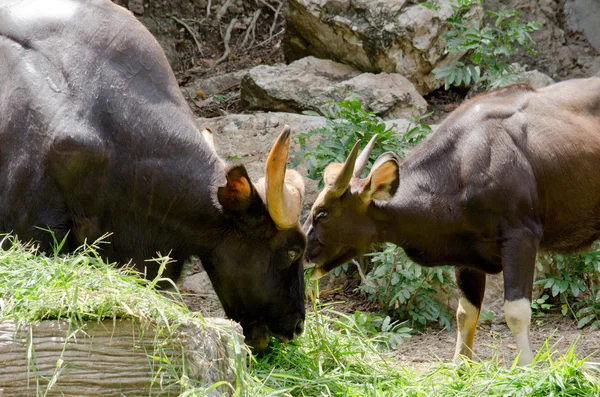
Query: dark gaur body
[[96, 137], [507, 174]]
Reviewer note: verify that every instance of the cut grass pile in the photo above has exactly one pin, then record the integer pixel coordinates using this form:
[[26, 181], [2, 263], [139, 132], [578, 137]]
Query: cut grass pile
[[334, 357], [80, 288]]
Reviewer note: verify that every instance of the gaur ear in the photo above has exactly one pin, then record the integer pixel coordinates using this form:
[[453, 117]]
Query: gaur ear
[[383, 180], [238, 193]]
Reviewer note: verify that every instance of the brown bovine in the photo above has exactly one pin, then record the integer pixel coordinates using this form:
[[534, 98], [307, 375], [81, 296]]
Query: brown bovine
[[96, 137], [507, 174]]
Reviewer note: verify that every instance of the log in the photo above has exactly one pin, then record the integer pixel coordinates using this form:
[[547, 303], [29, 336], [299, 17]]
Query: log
[[115, 358]]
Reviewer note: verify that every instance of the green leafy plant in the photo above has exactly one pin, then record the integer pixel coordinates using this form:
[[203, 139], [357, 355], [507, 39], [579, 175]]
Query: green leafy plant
[[432, 5], [541, 304], [219, 98], [486, 317], [575, 286], [348, 122], [407, 291], [389, 333], [490, 47]]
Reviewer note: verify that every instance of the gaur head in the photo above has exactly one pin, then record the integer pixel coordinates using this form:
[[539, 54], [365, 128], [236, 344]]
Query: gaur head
[[341, 224], [257, 268]]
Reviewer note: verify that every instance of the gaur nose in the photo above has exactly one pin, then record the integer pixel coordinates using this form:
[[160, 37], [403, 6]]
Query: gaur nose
[[299, 328]]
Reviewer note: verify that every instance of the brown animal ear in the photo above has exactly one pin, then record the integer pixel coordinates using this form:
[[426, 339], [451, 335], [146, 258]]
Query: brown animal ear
[[383, 180], [238, 193]]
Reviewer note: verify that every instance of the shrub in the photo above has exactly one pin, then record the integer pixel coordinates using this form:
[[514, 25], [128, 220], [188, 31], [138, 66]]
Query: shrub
[[347, 123], [575, 287], [490, 47], [407, 291]]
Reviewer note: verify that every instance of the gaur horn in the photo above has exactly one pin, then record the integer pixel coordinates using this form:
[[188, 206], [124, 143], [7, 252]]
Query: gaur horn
[[283, 194], [363, 157], [343, 177]]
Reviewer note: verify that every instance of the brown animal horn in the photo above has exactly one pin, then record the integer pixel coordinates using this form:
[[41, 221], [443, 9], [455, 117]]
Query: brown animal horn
[[363, 158], [284, 200], [343, 177]]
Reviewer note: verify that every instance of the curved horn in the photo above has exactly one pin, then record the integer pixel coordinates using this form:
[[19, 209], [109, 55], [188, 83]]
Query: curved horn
[[343, 177], [363, 158], [284, 201]]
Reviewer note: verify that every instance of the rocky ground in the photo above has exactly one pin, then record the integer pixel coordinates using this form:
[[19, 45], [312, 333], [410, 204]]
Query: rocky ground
[[212, 45]]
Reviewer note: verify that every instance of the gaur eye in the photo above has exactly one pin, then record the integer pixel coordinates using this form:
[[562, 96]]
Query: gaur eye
[[293, 254], [322, 215]]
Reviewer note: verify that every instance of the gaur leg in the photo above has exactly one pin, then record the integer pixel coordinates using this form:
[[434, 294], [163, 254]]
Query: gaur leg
[[518, 261], [471, 287]]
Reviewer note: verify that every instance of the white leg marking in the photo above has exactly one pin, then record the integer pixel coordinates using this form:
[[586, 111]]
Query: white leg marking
[[466, 319], [518, 319]]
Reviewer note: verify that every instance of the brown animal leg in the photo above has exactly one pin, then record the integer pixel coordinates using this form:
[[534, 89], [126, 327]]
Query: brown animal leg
[[471, 287], [518, 260]]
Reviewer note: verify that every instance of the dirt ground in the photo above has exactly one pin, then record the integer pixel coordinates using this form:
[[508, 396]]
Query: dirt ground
[[496, 340], [199, 42], [491, 340]]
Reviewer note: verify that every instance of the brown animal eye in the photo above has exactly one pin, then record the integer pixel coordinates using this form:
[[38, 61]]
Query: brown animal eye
[[322, 215], [293, 254]]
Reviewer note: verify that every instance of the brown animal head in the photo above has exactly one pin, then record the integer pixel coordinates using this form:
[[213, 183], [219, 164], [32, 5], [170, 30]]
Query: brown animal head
[[339, 226]]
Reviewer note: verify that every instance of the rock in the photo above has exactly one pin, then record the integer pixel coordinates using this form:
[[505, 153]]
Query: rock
[[199, 284], [373, 35], [136, 6], [535, 79], [309, 83], [584, 16], [212, 85]]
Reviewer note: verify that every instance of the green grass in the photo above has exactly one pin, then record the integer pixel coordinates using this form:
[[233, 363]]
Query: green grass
[[334, 357]]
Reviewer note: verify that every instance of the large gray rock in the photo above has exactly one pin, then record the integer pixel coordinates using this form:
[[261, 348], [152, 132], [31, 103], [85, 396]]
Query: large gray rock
[[393, 36], [310, 83]]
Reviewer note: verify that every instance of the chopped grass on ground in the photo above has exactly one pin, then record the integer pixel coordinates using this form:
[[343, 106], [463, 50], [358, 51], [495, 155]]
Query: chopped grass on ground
[[334, 357]]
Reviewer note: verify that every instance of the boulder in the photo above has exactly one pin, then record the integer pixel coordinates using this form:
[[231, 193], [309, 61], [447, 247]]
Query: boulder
[[535, 78], [392, 36], [309, 83]]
